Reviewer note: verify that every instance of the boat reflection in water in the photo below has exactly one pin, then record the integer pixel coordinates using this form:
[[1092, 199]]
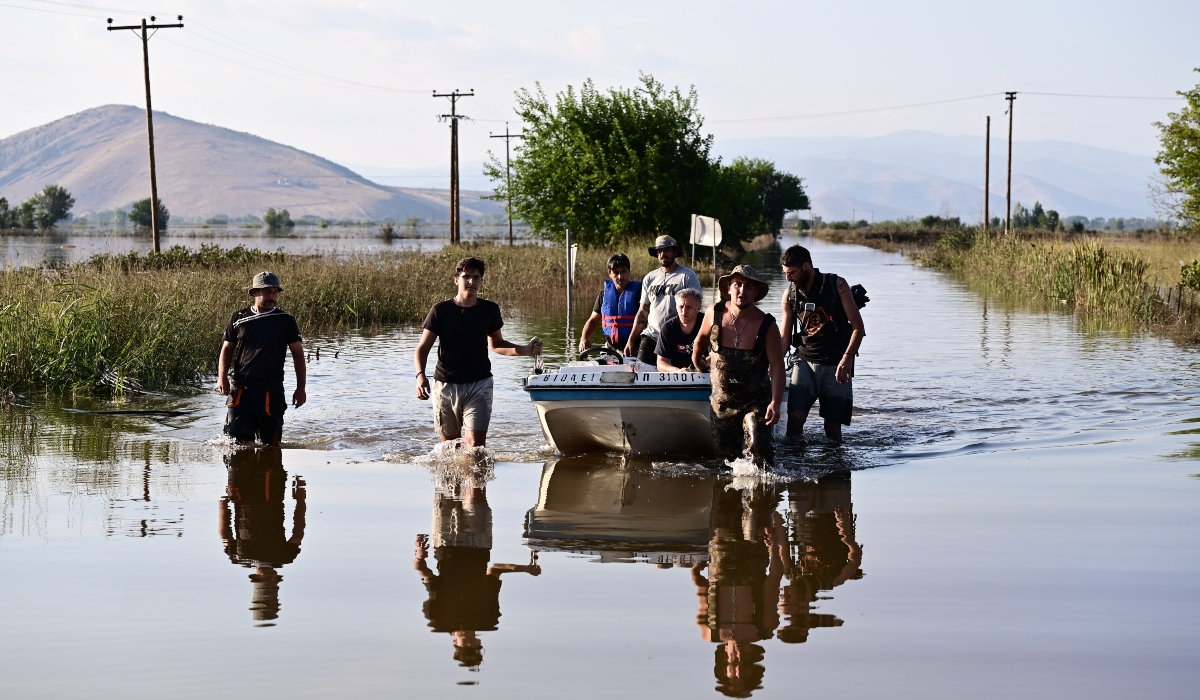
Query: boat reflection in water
[[757, 574], [464, 594], [253, 530]]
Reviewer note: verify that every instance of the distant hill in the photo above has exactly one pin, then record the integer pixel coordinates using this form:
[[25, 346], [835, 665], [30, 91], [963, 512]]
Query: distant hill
[[914, 173], [203, 170]]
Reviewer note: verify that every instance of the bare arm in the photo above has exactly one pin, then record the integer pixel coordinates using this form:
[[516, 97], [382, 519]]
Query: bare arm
[[223, 363], [845, 368], [639, 325], [500, 346], [778, 380], [422, 552], [700, 349], [589, 327], [785, 328], [420, 357], [496, 569], [298, 515], [298, 396], [664, 365], [224, 530]]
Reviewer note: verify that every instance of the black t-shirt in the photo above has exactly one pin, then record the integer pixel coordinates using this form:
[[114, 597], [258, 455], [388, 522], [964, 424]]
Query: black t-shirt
[[462, 333], [598, 308], [260, 344], [462, 596], [674, 345]]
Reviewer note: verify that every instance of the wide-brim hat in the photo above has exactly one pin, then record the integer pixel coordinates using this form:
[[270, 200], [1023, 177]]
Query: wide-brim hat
[[664, 242], [746, 272], [263, 280]]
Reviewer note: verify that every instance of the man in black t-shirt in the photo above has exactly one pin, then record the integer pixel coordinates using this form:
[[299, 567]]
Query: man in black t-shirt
[[465, 326], [250, 371], [677, 337]]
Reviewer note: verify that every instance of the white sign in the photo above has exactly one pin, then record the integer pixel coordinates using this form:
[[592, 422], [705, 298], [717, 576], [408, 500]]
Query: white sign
[[585, 378], [705, 231]]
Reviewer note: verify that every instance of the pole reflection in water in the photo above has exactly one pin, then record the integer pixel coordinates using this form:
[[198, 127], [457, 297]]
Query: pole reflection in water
[[254, 530], [464, 594], [757, 574]]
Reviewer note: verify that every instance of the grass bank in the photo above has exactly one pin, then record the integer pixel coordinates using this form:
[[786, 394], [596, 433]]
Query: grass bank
[[1126, 283], [117, 323]]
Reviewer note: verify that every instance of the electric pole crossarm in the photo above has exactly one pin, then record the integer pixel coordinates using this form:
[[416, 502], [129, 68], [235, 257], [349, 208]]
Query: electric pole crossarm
[[148, 26]]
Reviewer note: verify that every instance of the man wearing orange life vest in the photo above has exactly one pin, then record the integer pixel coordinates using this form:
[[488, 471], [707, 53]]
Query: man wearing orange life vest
[[616, 306]]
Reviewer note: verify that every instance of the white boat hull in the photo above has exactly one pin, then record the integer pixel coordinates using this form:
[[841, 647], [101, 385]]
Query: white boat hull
[[642, 413]]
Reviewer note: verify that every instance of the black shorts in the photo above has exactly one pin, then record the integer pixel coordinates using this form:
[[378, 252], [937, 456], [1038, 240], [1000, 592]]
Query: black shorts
[[255, 413], [645, 351]]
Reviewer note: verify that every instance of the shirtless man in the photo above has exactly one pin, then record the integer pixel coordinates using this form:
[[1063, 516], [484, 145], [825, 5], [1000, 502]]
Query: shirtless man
[[746, 362]]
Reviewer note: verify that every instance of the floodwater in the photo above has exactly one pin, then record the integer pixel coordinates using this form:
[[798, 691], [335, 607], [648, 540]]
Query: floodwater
[[1015, 513], [73, 245]]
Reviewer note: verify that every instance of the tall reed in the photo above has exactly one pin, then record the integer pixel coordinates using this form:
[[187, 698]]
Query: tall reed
[[153, 321]]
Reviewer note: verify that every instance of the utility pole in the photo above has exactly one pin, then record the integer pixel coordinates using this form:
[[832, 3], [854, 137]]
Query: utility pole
[[987, 170], [149, 111], [454, 116], [507, 172], [1010, 96]]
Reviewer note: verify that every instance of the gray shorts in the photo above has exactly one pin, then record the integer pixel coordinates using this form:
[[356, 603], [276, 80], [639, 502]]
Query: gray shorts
[[459, 407], [813, 382]]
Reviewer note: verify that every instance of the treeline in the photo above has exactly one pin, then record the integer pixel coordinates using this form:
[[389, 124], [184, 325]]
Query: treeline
[[633, 163], [41, 211]]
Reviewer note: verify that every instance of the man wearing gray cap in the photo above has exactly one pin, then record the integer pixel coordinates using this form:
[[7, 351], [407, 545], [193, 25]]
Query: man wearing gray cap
[[250, 371], [658, 299]]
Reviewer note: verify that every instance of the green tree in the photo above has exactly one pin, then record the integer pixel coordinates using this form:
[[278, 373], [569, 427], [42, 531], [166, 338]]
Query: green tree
[[278, 220], [5, 214], [1177, 194], [607, 164], [139, 214], [750, 197], [25, 216], [53, 204]]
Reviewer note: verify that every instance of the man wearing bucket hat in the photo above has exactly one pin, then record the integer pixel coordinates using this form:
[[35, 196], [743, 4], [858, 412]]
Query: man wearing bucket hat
[[738, 344], [658, 299], [250, 371]]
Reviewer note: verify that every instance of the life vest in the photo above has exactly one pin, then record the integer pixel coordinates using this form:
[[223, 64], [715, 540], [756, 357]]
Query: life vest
[[618, 313]]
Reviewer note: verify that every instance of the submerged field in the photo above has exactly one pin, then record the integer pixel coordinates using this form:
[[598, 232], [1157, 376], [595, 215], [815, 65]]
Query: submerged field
[[151, 321]]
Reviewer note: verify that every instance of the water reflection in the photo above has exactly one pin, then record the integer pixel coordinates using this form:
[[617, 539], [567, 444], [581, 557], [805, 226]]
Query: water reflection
[[253, 530], [757, 574], [464, 594]]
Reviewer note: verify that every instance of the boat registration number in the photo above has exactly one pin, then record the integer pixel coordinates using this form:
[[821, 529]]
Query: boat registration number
[[598, 378]]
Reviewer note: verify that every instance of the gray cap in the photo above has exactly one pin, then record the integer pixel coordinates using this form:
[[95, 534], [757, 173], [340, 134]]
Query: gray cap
[[665, 242], [263, 280]]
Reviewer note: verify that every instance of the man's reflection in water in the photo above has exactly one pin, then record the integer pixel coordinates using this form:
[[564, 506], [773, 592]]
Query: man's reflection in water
[[749, 555], [464, 594], [255, 537], [739, 598], [824, 552]]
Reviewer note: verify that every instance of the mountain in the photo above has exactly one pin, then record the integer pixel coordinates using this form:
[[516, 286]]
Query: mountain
[[100, 156], [914, 173]]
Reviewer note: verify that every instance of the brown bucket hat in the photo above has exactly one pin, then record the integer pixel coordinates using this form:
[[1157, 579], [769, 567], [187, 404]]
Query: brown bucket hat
[[746, 272], [264, 280]]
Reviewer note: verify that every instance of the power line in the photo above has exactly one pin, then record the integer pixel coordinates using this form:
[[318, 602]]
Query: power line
[[1101, 97], [856, 111]]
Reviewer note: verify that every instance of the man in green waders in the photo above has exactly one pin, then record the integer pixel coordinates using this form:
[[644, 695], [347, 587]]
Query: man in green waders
[[746, 361]]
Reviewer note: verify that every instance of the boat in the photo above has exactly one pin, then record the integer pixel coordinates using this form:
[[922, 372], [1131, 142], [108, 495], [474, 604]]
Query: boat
[[618, 404], [621, 512]]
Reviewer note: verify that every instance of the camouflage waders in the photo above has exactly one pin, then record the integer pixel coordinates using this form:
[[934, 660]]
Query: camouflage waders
[[741, 393]]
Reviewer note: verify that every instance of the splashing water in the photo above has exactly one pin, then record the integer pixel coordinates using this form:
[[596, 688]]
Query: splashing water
[[455, 465]]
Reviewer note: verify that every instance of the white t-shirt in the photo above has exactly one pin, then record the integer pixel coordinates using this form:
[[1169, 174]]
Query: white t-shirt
[[658, 290]]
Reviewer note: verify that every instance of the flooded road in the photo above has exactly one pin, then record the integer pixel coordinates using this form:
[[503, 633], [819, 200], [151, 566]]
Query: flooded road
[[1014, 513]]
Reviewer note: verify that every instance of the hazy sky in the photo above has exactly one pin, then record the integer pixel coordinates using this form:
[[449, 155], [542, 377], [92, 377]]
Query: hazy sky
[[748, 60]]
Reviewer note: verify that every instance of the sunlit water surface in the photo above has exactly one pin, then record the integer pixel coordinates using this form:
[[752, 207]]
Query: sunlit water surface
[[1013, 514]]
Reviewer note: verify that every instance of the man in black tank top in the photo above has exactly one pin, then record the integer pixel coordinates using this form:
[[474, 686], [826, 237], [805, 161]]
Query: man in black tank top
[[747, 368], [821, 320]]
